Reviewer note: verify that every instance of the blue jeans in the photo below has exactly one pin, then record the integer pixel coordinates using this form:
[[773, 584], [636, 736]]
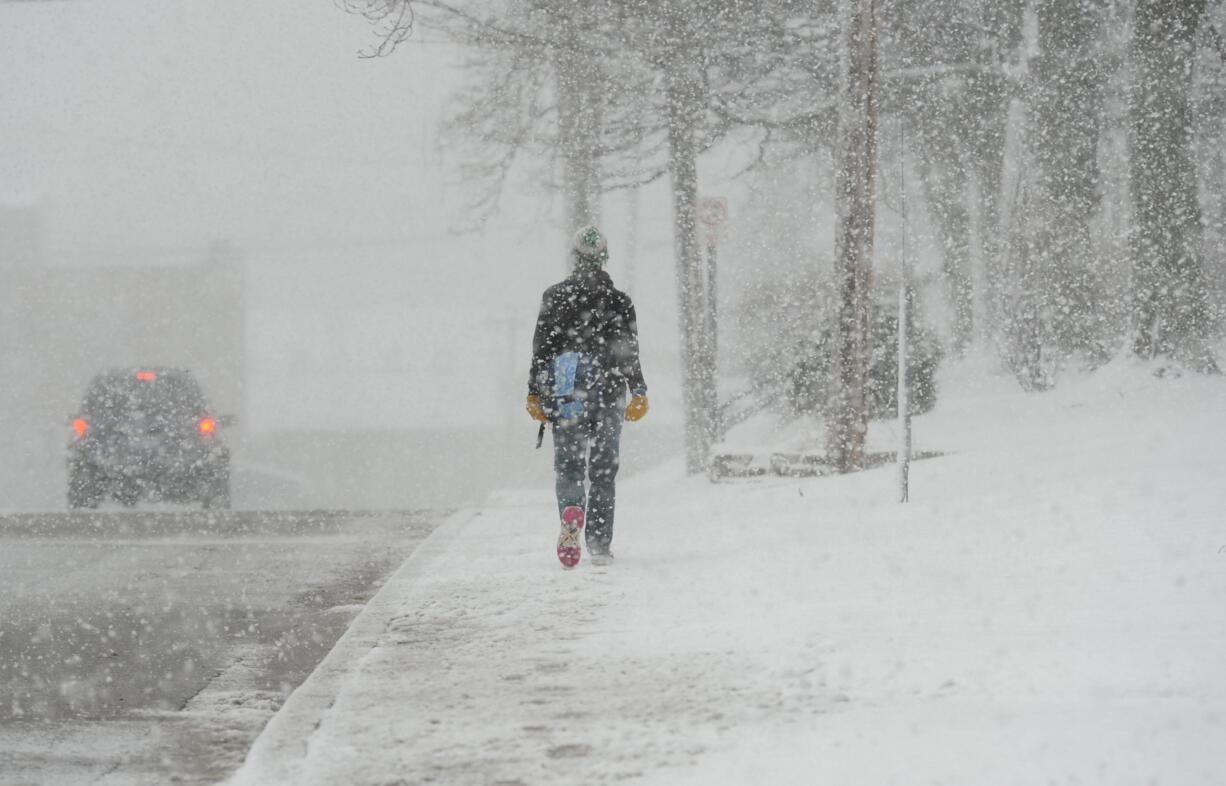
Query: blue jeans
[[589, 447]]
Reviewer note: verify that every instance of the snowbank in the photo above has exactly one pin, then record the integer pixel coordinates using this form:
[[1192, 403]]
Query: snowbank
[[1047, 609]]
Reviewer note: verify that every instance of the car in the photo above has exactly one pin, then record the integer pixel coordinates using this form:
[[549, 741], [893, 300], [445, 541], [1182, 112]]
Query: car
[[147, 433]]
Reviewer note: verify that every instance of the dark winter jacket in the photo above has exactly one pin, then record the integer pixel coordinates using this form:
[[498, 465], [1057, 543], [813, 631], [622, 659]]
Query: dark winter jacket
[[586, 313]]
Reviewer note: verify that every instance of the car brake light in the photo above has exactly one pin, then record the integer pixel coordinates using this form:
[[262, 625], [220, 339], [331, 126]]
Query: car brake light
[[207, 426], [79, 427], [146, 376]]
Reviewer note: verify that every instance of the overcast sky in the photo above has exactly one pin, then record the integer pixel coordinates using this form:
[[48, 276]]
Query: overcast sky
[[168, 123], [146, 124], [153, 128]]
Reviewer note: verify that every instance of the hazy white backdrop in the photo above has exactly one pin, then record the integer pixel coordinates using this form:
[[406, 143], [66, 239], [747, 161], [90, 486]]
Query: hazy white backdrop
[[144, 131]]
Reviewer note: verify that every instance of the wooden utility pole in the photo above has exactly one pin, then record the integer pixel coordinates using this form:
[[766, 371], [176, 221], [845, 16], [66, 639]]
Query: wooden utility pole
[[856, 196]]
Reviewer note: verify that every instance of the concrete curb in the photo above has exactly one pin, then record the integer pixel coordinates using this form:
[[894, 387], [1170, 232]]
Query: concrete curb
[[279, 751]]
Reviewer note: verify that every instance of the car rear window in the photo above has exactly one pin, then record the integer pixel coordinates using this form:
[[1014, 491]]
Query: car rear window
[[166, 396]]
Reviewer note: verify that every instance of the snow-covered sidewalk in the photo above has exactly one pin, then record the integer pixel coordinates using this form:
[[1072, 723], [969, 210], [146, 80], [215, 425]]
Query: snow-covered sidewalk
[[1050, 608]]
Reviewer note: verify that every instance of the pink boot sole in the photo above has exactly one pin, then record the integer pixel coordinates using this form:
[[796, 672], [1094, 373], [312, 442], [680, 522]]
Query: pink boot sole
[[568, 538]]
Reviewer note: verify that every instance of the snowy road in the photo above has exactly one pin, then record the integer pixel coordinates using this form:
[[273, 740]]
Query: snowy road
[[136, 647]]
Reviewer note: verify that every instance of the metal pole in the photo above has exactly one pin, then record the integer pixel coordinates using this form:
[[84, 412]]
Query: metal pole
[[904, 406], [712, 342], [904, 302]]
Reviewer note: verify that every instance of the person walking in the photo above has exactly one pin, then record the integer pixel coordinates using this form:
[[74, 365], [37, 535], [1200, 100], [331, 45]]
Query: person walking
[[585, 359]]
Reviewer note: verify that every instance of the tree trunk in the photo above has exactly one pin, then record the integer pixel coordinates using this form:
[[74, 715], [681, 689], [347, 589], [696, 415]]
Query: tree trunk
[[945, 190], [1170, 309], [579, 117], [1066, 103], [990, 106], [683, 115], [855, 193]]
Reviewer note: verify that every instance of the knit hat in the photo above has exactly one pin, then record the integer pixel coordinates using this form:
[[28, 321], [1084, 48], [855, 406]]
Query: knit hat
[[590, 246]]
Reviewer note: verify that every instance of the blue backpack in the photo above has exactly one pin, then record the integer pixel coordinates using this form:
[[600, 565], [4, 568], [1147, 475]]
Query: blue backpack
[[577, 379]]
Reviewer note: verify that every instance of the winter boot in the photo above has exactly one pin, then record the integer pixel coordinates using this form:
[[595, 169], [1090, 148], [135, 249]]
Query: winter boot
[[568, 537]]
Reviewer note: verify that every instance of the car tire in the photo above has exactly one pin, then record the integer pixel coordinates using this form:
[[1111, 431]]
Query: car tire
[[84, 487]]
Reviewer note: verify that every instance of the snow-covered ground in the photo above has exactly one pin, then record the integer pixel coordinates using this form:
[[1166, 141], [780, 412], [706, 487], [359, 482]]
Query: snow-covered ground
[[1049, 608]]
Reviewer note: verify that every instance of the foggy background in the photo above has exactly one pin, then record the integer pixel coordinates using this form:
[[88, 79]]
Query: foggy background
[[232, 189], [228, 187]]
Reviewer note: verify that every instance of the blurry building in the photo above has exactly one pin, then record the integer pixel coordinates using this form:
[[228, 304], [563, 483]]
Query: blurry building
[[62, 323], [388, 405]]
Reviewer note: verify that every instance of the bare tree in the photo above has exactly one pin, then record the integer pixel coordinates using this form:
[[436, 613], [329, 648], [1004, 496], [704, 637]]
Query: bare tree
[[725, 65], [622, 100], [1058, 309], [581, 93], [1210, 111], [944, 71], [684, 103], [641, 92], [1170, 310], [393, 22]]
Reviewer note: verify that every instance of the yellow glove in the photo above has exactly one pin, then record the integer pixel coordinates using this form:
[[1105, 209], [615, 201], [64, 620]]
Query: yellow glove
[[533, 405], [637, 408]]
